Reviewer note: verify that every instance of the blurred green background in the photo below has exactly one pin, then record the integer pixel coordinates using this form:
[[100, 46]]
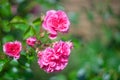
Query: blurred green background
[[94, 31]]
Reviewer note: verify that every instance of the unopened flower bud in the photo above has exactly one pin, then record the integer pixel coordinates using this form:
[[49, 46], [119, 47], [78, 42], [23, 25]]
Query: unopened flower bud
[[42, 34], [31, 41]]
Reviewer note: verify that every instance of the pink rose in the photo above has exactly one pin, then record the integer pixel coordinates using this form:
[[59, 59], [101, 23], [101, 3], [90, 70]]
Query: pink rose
[[31, 41], [62, 48], [13, 49], [54, 59], [56, 21]]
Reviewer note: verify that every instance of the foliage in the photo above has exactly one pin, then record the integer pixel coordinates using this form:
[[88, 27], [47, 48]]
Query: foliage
[[93, 60]]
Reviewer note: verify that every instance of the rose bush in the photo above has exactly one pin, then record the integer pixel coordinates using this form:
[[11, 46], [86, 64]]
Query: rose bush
[[52, 55]]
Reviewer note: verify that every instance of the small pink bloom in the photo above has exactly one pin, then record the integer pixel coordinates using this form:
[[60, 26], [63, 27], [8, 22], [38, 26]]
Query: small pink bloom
[[54, 59], [13, 49], [56, 21], [31, 41]]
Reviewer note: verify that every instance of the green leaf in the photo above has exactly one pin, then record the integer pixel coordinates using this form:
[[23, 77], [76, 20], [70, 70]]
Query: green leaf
[[14, 62], [72, 75], [4, 25], [17, 20], [59, 77], [2, 63], [29, 32], [7, 38], [76, 41], [37, 21], [22, 27], [22, 60], [5, 9]]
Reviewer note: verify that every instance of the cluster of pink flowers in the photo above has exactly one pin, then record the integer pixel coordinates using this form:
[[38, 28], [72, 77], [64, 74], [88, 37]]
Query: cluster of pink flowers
[[53, 58], [13, 49]]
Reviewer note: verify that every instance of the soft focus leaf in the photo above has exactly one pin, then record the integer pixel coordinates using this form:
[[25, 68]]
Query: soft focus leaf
[[5, 10], [22, 61], [2, 63], [29, 32], [22, 27], [14, 62], [17, 20], [4, 25], [58, 77], [7, 38], [37, 21], [73, 75]]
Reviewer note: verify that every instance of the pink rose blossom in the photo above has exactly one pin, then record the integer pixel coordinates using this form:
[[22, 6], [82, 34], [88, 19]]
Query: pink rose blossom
[[61, 47], [31, 41], [13, 49], [56, 21], [54, 59]]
